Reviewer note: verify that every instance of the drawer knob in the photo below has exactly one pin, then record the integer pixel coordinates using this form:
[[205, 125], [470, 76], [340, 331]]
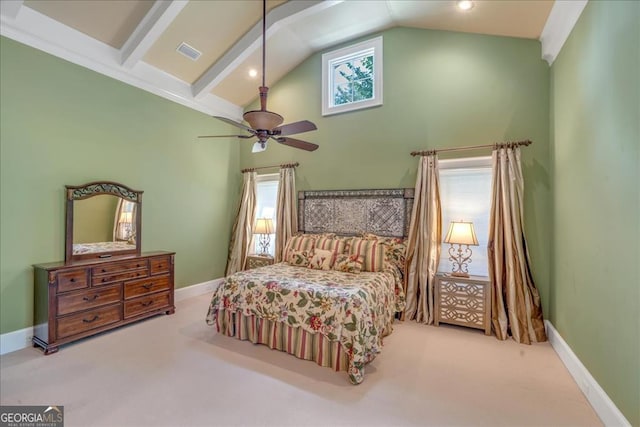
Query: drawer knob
[[96, 317], [104, 271], [104, 279], [148, 286], [73, 279], [91, 299], [137, 265], [147, 303]]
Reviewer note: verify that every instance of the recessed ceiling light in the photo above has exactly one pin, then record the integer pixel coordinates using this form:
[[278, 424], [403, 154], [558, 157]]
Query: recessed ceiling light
[[253, 73], [464, 4]]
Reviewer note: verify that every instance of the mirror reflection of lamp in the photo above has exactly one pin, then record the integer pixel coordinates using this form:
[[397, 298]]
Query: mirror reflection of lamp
[[460, 233], [263, 228], [125, 222]]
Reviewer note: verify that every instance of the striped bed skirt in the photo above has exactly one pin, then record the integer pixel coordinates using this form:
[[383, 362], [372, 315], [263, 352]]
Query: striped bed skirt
[[277, 335]]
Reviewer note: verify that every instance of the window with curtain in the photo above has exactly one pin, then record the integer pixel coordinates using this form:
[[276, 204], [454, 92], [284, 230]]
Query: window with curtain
[[465, 195], [266, 199]]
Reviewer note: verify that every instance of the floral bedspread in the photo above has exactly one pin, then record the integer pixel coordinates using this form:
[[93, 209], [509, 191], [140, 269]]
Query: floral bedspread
[[85, 248], [355, 309]]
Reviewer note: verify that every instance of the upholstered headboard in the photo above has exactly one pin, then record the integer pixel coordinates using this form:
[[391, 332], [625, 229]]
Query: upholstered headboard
[[351, 212]]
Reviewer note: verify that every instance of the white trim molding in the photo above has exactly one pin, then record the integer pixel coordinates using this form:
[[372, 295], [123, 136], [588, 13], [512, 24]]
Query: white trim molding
[[17, 340], [563, 17], [197, 289], [597, 397]]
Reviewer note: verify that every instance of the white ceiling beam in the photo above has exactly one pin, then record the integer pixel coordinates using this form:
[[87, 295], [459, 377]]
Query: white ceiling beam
[[562, 18], [48, 35], [155, 22], [251, 40], [9, 8]]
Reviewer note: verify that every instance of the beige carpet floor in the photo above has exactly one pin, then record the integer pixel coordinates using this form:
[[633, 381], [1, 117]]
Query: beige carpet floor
[[177, 371]]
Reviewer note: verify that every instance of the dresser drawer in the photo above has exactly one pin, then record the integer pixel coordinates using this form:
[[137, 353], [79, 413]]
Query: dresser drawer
[[84, 300], [103, 280], [149, 285], [119, 267], [72, 279], [141, 305], [160, 265], [81, 322]]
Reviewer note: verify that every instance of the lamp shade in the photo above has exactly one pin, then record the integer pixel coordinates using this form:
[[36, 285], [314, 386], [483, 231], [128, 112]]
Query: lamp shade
[[263, 226], [462, 233]]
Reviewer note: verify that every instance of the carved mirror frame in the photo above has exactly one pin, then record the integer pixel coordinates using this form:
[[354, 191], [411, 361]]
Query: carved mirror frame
[[80, 192]]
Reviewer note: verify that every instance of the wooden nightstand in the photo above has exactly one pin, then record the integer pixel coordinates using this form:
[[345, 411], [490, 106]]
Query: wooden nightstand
[[464, 301], [255, 261]]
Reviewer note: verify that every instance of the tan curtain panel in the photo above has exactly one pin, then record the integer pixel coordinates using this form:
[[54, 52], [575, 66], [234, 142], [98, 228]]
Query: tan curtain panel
[[286, 210], [423, 243], [242, 228], [515, 304]]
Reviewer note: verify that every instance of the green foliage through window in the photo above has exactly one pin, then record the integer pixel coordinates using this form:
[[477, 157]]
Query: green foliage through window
[[353, 80]]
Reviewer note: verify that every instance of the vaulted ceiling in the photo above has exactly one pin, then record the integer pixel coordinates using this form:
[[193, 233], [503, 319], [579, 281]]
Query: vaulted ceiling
[[136, 41]]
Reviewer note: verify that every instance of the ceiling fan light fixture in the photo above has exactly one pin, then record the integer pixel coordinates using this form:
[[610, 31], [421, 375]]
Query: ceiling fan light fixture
[[253, 73], [259, 147], [464, 4], [263, 119]]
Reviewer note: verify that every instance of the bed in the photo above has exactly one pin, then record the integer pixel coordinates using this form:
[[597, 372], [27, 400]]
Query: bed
[[335, 297]]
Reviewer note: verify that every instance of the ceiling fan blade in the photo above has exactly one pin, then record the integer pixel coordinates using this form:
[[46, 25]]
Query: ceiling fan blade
[[226, 136], [234, 123], [296, 127], [259, 147], [297, 143]]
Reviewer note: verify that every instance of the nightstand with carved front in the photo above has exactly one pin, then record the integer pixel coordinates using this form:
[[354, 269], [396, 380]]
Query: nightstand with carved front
[[463, 301], [255, 261]]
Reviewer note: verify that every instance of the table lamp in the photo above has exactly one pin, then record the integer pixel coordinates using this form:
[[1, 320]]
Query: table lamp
[[263, 228], [460, 233]]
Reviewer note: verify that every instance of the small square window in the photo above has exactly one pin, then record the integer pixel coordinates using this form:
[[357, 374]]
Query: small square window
[[352, 77]]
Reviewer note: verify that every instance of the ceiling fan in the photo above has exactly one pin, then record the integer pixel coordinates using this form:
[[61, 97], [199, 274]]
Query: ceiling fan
[[264, 124]]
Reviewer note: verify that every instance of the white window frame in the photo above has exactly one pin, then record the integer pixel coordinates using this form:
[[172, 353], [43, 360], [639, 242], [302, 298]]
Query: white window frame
[[463, 163], [254, 246], [340, 55]]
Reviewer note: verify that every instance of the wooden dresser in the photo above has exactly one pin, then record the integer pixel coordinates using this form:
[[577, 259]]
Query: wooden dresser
[[83, 298]]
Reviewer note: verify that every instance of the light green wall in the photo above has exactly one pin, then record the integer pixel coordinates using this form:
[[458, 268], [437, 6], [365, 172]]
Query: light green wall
[[441, 89], [595, 153], [63, 124]]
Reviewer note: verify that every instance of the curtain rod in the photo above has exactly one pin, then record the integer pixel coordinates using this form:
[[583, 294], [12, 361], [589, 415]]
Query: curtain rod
[[285, 165], [473, 147]]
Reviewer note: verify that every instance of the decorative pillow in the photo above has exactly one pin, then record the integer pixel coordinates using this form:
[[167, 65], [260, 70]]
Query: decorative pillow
[[298, 258], [300, 242], [321, 259], [373, 252], [349, 263], [396, 249], [333, 244]]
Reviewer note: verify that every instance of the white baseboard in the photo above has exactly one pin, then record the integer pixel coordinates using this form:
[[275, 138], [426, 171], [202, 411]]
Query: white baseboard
[[597, 397], [17, 340], [197, 289]]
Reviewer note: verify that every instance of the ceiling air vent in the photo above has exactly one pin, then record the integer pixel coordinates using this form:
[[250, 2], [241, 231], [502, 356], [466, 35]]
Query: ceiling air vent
[[189, 51]]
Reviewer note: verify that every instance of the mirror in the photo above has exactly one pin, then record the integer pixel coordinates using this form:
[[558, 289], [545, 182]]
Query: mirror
[[103, 221]]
